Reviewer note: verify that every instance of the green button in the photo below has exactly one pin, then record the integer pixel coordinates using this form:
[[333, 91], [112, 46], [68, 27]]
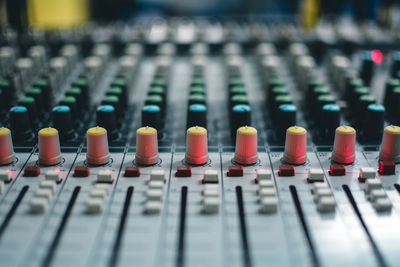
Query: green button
[[41, 83], [275, 81], [154, 99], [393, 82], [159, 81], [79, 82], [368, 98], [119, 82], [111, 99], [68, 100], [239, 99], [356, 82], [238, 90], [197, 90], [74, 91], [326, 99], [198, 81], [236, 82], [27, 100], [319, 90], [34, 91], [283, 99], [279, 90], [156, 90], [362, 91], [315, 82], [4, 83], [197, 98], [114, 91]]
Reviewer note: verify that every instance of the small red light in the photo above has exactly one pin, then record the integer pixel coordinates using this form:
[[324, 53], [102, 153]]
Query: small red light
[[57, 170], [376, 56], [10, 172]]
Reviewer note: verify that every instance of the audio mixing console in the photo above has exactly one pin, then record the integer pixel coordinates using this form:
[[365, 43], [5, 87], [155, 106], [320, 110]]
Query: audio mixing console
[[200, 143]]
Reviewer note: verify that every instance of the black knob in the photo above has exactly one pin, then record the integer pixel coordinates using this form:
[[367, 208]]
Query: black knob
[[372, 128], [47, 91], [29, 103], [83, 84], [240, 116], [116, 91], [391, 84], [36, 93], [77, 93], [62, 121], [285, 117], [367, 67], [113, 101], [151, 116], [20, 125], [70, 101], [106, 118], [197, 116], [329, 120]]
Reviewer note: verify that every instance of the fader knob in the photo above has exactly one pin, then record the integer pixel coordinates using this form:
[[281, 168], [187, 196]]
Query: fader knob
[[62, 120], [146, 146], [6, 146], [97, 146], [390, 148], [344, 145], [196, 145], [246, 145], [49, 146], [295, 145]]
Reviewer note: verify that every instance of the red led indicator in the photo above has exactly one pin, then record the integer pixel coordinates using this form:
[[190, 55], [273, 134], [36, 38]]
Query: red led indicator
[[376, 56]]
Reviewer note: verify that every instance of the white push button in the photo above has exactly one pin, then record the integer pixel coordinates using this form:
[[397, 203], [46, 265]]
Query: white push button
[[5, 176], [157, 175], [211, 204], [154, 194], [94, 205], [367, 173], [263, 174], [152, 207], [98, 193], [382, 204], [53, 176], [47, 184], [104, 176], [326, 204], [210, 176], [371, 184], [38, 205], [156, 185], [315, 175], [268, 204]]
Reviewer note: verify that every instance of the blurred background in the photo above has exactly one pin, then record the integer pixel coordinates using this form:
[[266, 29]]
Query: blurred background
[[69, 13]]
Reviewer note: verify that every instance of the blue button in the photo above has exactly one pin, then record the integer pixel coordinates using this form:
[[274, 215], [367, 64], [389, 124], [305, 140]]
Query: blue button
[[105, 108], [18, 109], [331, 107], [197, 107], [61, 108], [151, 108], [287, 107], [376, 107], [241, 108]]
